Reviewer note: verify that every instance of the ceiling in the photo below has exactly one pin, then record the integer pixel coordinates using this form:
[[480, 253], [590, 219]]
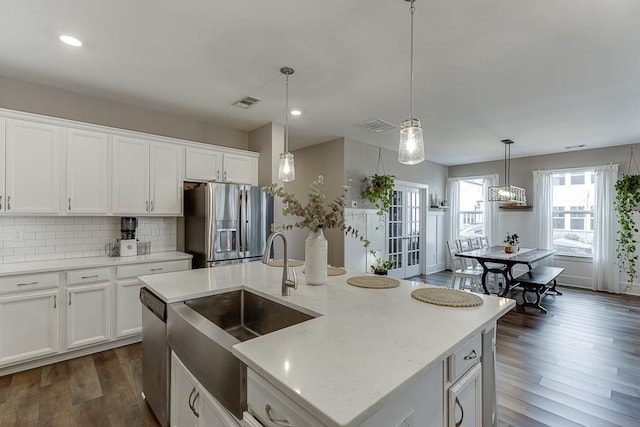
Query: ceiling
[[544, 73]]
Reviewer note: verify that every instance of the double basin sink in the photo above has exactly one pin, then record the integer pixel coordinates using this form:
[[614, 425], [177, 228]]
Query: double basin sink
[[201, 332]]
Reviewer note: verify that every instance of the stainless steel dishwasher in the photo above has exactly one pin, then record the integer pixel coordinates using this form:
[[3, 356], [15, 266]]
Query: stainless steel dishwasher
[[156, 355]]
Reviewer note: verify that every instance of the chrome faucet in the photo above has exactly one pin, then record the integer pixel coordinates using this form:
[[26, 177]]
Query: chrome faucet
[[288, 282]]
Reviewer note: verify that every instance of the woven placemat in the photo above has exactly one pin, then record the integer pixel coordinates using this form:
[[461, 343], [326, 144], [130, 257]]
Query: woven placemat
[[280, 263], [332, 271], [373, 282], [447, 297]]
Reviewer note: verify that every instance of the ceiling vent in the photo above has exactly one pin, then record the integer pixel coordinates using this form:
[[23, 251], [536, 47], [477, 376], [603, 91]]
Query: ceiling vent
[[376, 125], [246, 102]]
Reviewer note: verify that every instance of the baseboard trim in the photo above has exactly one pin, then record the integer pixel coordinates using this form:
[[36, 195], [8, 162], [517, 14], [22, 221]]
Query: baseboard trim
[[47, 360]]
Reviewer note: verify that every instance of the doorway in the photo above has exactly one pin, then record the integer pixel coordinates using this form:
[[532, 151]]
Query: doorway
[[405, 231]]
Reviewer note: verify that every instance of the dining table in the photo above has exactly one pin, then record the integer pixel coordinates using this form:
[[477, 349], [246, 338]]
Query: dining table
[[494, 259]]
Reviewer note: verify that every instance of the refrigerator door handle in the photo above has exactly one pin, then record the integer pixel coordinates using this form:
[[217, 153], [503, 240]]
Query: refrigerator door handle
[[247, 219]]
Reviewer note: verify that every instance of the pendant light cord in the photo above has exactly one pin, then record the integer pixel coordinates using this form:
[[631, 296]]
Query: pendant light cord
[[632, 159], [286, 115], [412, 9], [507, 152], [380, 162]]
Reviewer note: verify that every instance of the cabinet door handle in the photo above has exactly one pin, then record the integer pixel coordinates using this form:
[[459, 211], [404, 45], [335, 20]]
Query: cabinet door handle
[[225, 176], [27, 284], [9, 203], [471, 355], [156, 269], [146, 206], [459, 405], [70, 299], [55, 301], [193, 390], [281, 422], [152, 206], [69, 203], [0, 202], [93, 276], [218, 175]]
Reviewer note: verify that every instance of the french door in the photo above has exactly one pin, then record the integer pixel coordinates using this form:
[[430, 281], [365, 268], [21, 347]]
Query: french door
[[404, 231]]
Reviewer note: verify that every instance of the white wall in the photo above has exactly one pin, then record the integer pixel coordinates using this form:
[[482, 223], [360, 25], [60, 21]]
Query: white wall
[[26, 239]]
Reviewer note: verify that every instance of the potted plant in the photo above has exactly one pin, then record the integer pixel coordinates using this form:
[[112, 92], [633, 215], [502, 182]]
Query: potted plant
[[379, 191], [381, 266], [626, 203], [513, 243]]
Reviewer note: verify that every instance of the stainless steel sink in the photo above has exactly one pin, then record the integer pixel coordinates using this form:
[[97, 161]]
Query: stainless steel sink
[[201, 332]]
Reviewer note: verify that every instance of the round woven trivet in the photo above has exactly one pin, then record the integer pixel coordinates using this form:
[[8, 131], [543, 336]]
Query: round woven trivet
[[280, 263], [373, 282], [332, 271], [447, 297]]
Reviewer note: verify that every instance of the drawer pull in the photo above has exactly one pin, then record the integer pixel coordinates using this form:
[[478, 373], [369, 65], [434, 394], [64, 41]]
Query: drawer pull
[[459, 423], [471, 355], [156, 269], [27, 284], [281, 422], [55, 301], [93, 276]]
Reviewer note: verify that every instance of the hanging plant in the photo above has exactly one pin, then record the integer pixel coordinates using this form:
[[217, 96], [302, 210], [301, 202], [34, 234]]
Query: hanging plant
[[627, 202], [379, 191]]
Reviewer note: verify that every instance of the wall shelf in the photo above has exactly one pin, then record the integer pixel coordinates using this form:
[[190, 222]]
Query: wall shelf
[[518, 208]]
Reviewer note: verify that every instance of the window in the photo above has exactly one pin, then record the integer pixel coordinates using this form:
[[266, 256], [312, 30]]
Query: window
[[573, 213], [472, 202]]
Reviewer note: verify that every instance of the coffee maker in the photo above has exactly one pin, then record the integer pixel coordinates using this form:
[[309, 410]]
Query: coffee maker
[[128, 244]]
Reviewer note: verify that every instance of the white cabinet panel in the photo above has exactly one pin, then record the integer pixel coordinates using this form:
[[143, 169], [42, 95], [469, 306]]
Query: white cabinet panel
[[184, 388], [32, 164], [435, 246], [88, 314], [28, 325], [87, 171], [239, 169], [203, 164], [130, 190], [212, 413], [128, 308], [465, 400], [166, 179], [3, 197]]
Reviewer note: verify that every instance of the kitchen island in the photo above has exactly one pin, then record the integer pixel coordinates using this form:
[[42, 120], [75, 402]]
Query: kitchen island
[[370, 357]]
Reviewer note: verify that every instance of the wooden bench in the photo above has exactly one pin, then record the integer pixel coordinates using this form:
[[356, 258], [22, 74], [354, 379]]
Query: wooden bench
[[537, 281]]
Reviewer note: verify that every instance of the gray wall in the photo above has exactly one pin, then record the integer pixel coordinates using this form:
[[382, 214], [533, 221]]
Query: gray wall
[[268, 140], [361, 160], [38, 99]]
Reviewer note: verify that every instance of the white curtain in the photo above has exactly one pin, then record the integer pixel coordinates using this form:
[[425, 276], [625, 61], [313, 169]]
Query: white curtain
[[490, 210], [605, 267], [453, 198], [543, 207]]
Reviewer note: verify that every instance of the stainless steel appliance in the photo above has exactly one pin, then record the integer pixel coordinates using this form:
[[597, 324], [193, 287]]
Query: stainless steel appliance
[[225, 223], [156, 356]]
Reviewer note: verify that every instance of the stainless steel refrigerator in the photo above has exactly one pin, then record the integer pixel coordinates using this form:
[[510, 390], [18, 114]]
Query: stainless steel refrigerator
[[225, 223]]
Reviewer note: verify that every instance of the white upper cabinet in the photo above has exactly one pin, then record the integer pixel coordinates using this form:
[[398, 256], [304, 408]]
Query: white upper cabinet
[[147, 177], [213, 165], [3, 197], [167, 174], [130, 189], [32, 167], [87, 171], [203, 165]]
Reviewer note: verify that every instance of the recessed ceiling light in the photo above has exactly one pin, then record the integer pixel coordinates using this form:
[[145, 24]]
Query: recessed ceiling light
[[71, 41], [296, 112]]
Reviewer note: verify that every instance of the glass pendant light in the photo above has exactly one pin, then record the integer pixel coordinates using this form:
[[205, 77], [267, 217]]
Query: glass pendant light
[[411, 150], [286, 170]]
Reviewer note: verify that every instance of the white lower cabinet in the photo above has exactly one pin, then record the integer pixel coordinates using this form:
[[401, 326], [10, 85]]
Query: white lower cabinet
[[191, 404], [128, 308], [88, 314], [28, 325], [465, 400]]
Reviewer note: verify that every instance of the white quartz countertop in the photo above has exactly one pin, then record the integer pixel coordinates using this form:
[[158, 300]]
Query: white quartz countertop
[[361, 350], [89, 262]]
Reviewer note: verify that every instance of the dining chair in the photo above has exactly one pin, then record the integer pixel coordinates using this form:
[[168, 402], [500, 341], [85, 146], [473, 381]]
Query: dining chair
[[463, 277], [464, 245], [484, 241]]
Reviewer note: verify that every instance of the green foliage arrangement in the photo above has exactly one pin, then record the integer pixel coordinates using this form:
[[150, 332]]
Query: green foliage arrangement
[[379, 191], [315, 215], [381, 266], [626, 203]]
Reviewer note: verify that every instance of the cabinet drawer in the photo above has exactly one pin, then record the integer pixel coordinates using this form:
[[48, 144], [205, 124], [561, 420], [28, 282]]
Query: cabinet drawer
[[151, 268], [465, 358], [88, 276], [263, 397], [29, 282]]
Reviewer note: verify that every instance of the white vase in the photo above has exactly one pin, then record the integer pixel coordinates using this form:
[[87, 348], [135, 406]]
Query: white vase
[[315, 258]]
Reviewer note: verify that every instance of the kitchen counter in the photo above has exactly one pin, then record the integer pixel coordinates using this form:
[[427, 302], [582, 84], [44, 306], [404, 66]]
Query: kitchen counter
[[363, 348], [88, 262]]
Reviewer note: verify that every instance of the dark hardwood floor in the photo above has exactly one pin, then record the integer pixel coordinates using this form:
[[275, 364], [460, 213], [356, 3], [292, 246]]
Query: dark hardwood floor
[[578, 365]]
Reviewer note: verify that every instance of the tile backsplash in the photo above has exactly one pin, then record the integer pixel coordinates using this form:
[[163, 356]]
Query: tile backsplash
[[33, 238]]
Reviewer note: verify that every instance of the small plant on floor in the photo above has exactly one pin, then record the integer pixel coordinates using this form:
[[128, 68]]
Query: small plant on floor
[[381, 265]]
